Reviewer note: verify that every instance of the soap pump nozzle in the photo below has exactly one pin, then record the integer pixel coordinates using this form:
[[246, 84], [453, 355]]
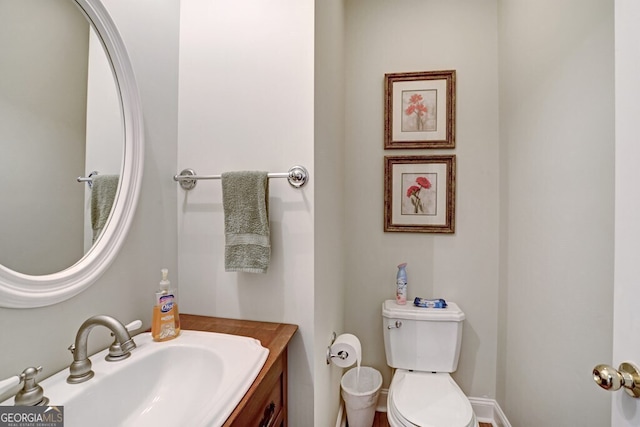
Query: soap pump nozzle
[[164, 283]]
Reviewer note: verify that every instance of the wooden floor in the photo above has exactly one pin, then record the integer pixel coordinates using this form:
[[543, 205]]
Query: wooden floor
[[381, 421]]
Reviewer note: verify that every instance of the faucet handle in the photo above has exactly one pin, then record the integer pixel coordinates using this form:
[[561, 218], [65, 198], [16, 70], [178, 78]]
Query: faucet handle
[[9, 383], [30, 373], [31, 393], [115, 351], [134, 326]]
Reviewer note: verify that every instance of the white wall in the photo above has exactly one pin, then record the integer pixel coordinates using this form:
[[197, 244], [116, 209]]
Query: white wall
[[330, 207], [246, 103], [33, 337], [418, 35], [557, 164]]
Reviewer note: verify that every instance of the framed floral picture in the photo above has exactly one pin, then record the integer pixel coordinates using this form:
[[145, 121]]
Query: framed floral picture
[[419, 193], [420, 110]]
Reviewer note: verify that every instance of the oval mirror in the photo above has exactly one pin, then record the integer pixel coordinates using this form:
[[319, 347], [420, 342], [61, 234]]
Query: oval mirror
[[81, 115]]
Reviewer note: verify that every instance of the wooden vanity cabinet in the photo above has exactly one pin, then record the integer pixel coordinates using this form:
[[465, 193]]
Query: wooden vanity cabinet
[[267, 406], [265, 403]]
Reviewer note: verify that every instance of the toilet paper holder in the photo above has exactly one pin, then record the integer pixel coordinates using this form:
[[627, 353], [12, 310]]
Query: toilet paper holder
[[340, 355]]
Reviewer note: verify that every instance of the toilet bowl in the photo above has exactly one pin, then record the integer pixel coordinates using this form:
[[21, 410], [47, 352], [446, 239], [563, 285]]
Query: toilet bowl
[[427, 399], [423, 346]]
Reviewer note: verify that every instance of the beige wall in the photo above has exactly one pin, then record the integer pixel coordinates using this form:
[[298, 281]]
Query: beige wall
[[557, 195], [43, 104], [329, 228], [526, 241], [417, 35]]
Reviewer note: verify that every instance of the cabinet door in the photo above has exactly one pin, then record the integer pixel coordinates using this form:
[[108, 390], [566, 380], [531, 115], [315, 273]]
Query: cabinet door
[[266, 407]]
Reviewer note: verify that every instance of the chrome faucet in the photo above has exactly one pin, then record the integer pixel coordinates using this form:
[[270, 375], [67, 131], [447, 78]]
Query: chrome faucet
[[80, 370]]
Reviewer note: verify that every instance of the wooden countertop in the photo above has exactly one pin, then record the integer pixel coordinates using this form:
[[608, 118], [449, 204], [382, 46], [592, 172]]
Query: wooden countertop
[[274, 336]]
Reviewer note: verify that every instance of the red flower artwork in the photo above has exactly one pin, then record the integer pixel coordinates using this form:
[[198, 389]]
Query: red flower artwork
[[417, 107], [413, 193], [423, 182]]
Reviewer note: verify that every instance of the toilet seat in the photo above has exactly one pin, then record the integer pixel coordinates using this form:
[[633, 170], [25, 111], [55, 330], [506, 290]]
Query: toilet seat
[[427, 399]]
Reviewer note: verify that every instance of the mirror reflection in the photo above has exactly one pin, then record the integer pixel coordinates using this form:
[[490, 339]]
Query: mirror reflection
[[60, 119]]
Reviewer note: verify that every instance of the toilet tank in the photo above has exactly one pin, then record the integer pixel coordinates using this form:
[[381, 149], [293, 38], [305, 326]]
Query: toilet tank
[[422, 339]]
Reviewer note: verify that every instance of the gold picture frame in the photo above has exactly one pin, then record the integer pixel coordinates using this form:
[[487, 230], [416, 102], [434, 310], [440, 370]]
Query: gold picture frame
[[420, 109], [419, 193]]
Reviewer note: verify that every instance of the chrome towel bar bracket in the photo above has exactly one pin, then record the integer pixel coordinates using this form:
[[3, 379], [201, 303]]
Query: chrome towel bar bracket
[[297, 177], [88, 179]]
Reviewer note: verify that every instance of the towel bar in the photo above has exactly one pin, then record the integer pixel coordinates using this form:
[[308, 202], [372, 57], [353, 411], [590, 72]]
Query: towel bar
[[87, 179], [297, 177]]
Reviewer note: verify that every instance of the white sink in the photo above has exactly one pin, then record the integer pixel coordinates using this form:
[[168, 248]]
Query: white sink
[[196, 379]]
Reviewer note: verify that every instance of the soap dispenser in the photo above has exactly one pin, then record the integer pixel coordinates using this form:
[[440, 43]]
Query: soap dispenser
[[166, 320]]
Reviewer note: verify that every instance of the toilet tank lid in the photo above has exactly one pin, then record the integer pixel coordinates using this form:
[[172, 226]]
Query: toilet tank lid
[[395, 311]]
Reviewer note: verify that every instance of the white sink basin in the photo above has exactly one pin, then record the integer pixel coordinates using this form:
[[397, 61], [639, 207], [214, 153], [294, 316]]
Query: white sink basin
[[196, 379]]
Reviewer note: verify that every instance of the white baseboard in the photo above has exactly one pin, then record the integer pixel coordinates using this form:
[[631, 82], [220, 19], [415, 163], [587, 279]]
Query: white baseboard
[[382, 400], [486, 410], [342, 416]]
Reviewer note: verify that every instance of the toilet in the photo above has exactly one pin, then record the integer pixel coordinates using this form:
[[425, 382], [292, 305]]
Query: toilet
[[423, 345]]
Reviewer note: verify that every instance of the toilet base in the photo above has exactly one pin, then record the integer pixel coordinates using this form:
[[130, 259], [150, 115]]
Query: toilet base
[[411, 396]]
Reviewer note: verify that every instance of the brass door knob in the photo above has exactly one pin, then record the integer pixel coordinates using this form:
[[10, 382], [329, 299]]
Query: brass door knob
[[627, 375]]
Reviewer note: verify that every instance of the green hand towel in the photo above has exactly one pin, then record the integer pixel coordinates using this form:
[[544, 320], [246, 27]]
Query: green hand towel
[[245, 198], [103, 194]]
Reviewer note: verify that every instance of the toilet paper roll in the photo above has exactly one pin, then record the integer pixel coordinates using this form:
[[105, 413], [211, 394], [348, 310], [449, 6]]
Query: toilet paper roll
[[346, 350]]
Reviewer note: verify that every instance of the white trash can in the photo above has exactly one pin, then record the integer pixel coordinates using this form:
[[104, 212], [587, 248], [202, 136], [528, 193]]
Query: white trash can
[[360, 392]]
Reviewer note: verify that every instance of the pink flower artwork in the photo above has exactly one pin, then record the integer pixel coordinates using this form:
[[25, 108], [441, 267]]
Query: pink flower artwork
[[423, 182], [417, 107], [419, 111], [420, 196]]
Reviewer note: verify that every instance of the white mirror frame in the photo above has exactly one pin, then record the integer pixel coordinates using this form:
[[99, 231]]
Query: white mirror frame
[[19, 290]]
